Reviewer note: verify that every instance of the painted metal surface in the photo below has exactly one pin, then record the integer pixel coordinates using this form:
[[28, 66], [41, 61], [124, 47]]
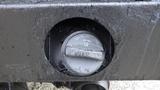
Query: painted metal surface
[[60, 1], [133, 26]]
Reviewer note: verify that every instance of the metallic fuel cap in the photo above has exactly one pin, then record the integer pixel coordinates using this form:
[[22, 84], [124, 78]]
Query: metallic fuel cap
[[83, 53]]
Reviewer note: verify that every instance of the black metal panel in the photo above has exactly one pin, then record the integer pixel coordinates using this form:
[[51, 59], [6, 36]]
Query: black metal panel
[[134, 27]]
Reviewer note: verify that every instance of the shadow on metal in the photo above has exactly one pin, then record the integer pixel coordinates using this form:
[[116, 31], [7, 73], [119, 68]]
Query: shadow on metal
[[100, 85], [13, 86]]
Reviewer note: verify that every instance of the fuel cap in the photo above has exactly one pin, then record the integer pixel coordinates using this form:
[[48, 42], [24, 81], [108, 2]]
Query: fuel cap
[[83, 53]]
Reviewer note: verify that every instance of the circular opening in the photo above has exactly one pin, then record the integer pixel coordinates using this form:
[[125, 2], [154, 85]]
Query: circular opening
[[65, 31], [92, 87]]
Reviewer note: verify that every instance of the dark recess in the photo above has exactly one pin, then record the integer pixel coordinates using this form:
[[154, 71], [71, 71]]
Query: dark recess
[[60, 31]]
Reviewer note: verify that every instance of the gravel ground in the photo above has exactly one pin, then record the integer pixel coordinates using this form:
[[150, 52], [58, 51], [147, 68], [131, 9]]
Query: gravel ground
[[43, 86], [114, 85]]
